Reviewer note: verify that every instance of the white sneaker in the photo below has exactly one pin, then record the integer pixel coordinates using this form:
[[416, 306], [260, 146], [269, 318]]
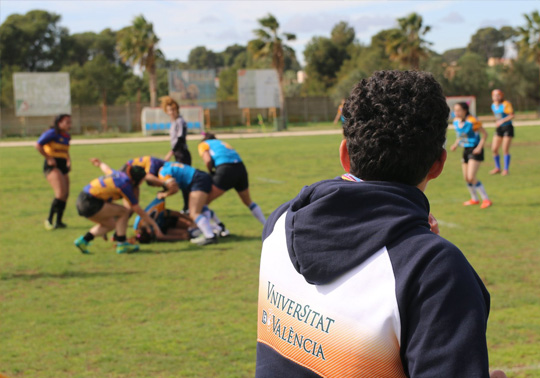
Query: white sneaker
[[202, 240]]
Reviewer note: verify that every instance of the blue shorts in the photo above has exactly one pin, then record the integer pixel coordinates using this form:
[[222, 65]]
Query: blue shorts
[[201, 182]]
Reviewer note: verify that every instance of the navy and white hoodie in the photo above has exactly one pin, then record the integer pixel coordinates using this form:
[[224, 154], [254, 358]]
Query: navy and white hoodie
[[354, 284]]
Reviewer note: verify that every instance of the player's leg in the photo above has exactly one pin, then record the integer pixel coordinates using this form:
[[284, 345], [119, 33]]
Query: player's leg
[[473, 167], [495, 145], [175, 234], [61, 206], [56, 181], [470, 187], [107, 217], [214, 193], [253, 207], [197, 200], [242, 188], [506, 142]]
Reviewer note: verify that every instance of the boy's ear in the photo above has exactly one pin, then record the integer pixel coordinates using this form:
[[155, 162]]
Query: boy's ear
[[344, 156], [437, 167]]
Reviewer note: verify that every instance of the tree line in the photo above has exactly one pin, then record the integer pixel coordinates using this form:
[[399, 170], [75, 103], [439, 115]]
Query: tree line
[[102, 65]]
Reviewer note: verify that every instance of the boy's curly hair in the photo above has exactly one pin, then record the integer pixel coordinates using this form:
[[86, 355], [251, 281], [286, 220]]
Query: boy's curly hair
[[395, 126], [168, 101]]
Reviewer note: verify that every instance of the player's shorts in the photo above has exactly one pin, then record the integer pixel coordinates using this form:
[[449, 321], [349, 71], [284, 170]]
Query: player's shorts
[[88, 205], [169, 221], [468, 155], [201, 182], [229, 176], [61, 164], [507, 131]]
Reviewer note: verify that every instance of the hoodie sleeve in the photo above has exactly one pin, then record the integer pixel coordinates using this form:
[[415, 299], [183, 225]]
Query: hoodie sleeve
[[443, 307]]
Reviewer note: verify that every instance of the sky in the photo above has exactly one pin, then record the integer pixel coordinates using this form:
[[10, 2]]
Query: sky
[[184, 25]]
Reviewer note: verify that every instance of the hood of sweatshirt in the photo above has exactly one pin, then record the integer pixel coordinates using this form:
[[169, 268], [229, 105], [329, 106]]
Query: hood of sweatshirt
[[335, 225]]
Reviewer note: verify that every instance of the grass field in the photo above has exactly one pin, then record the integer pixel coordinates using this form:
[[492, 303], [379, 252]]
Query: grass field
[[178, 310]]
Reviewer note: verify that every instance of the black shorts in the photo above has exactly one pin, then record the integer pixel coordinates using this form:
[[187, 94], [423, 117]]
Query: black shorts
[[61, 164], [507, 130], [468, 155], [229, 176], [169, 221], [201, 182], [88, 205]]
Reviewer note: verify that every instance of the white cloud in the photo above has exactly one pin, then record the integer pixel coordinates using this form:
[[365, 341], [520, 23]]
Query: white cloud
[[453, 18]]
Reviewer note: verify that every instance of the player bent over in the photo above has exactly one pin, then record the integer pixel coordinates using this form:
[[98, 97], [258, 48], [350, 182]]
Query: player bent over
[[198, 185], [95, 204], [151, 166], [228, 171]]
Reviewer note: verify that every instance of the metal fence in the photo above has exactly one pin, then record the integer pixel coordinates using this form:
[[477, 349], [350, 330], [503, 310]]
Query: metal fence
[[88, 119]]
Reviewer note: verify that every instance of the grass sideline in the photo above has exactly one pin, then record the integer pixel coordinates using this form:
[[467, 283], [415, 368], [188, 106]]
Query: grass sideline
[[184, 311]]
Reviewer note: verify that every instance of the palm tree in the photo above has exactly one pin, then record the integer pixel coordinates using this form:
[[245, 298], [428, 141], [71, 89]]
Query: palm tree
[[529, 42], [137, 46], [406, 45], [269, 45]]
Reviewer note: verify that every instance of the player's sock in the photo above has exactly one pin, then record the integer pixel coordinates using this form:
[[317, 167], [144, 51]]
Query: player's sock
[[207, 212], [88, 237], [61, 206], [204, 225], [506, 162], [497, 160], [472, 190], [481, 190], [121, 239], [257, 212], [53, 210]]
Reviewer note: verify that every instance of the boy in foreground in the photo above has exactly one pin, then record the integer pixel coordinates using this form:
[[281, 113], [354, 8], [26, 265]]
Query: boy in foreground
[[352, 281]]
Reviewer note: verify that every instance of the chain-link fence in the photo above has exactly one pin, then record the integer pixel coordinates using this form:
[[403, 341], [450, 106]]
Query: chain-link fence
[[88, 119]]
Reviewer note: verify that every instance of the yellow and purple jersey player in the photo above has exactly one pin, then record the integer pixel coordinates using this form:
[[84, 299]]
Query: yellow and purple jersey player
[[95, 202], [53, 145]]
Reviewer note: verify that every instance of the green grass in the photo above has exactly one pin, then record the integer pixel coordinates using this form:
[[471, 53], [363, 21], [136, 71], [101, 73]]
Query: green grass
[[178, 310]]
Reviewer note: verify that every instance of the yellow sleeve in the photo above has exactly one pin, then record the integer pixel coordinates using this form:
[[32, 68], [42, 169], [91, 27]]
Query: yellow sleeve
[[203, 147], [508, 109], [475, 122]]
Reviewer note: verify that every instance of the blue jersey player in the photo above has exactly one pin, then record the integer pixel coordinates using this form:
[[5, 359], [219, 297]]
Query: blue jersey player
[[228, 171], [472, 137], [504, 113], [198, 185]]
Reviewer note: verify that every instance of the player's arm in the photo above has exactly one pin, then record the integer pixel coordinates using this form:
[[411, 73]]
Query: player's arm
[[101, 165], [483, 138], [509, 110], [172, 188], [153, 180], [147, 219], [208, 161], [509, 117], [168, 155], [50, 160], [445, 334], [338, 115]]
